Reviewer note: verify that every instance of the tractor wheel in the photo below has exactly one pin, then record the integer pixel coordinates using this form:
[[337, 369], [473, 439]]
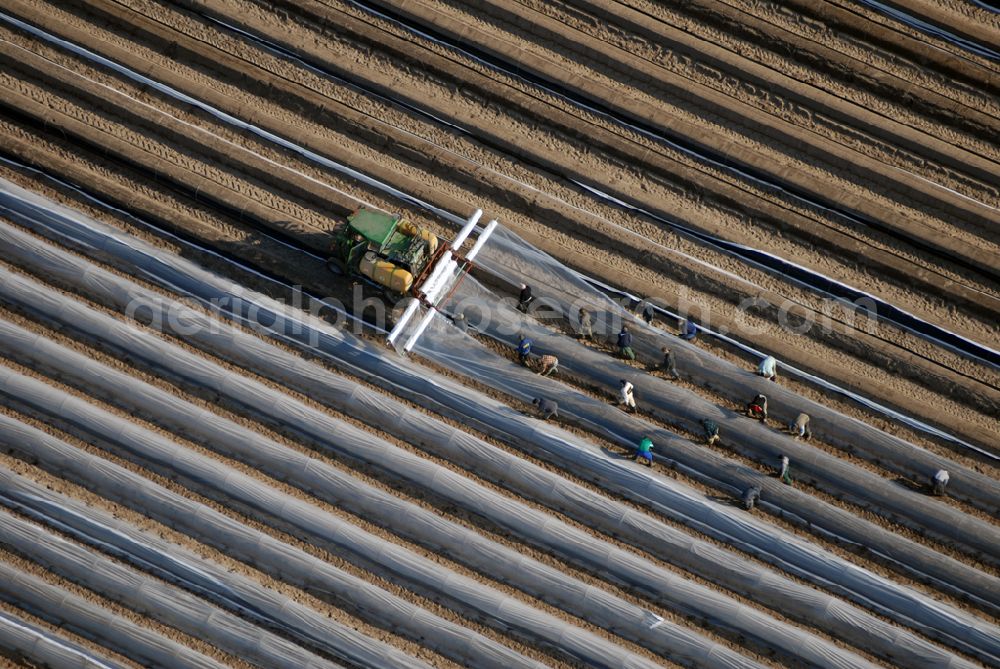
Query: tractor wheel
[[336, 265]]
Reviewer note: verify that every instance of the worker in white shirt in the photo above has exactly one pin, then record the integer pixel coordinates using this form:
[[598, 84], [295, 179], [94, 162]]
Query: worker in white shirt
[[768, 368], [939, 481], [625, 395]]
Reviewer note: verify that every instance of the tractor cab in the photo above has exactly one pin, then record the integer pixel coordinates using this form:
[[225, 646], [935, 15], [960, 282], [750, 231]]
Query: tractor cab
[[391, 252], [386, 249]]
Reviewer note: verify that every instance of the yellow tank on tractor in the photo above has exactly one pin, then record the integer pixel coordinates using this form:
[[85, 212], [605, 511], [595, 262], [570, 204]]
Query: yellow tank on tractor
[[385, 249], [405, 260]]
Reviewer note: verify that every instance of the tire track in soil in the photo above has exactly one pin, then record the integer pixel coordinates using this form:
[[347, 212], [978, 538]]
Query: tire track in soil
[[631, 91], [754, 231], [779, 95], [864, 30], [881, 85], [972, 41]]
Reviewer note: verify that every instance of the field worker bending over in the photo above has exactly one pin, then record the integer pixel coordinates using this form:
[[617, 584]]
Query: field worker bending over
[[757, 408], [939, 482], [523, 349], [586, 324], [648, 313], [625, 344], [625, 395], [669, 364], [525, 298], [800, 428], [768, 368], [711, 431], [644, 452], [548, 408], [785, 473], [750, 497], [549, 365], [689, 331]]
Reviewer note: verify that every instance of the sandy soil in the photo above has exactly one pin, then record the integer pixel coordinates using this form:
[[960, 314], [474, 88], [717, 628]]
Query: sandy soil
[[894, 389], [883, 128], [883, 387]]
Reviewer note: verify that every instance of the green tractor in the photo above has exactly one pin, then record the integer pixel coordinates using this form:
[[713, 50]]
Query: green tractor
[[385, 249]]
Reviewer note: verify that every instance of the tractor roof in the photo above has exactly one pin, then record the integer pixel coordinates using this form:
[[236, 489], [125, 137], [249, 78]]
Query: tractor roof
[[374, 226]]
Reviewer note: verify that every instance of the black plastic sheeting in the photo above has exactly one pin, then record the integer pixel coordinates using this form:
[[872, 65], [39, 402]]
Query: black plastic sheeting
[[802, 275], [723, 567], [562, 292], [771, 262], [675, 501]]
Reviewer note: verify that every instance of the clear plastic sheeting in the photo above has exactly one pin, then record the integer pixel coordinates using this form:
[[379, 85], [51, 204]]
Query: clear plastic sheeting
[[723, 567], [178, 565], [416, 524], [261, 551], [953, 627], [679, 406], [76, 614], [564, 291], [165, 603], [209, 477], [449, 347], [30, 644]]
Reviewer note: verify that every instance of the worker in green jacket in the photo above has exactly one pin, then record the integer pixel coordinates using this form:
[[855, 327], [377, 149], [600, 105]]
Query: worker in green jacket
[[644, 453]]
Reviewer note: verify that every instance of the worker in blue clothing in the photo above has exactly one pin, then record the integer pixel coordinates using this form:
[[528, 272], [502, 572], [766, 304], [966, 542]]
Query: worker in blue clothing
[[689, 330], [523, 349], [625, 344]]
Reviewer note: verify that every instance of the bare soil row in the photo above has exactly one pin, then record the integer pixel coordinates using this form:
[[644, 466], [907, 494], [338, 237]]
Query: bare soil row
[[233, 201], [915, 366], [688, 107], [247, 208], [219, 189]]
